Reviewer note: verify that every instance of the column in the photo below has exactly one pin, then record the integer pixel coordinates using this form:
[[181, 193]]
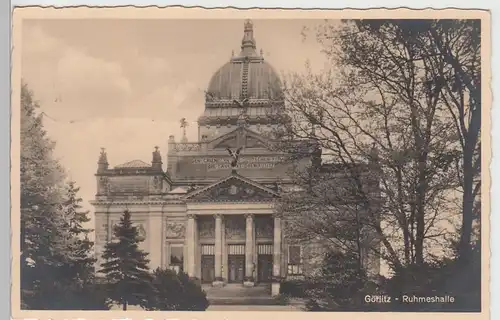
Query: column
[[155, 240], [249, 243], [275, 287], [218, 249], [191, 245]]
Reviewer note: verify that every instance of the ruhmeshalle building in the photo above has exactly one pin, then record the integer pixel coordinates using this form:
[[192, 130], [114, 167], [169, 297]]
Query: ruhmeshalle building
[[210, 213]]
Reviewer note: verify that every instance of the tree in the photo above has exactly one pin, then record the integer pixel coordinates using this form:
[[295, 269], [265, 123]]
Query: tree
[[56, 262], [327, 210], [42, 181], [456, 44], [176, 291], [82, 265], [339, 286], [126, 266], [375, 109]]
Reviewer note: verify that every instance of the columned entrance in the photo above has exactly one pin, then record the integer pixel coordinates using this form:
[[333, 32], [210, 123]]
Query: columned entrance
[[235, 249], [207, 264], [236, 264], [264, 262]]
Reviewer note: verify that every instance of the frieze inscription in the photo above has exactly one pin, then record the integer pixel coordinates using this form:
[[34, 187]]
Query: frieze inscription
[[244, 162]]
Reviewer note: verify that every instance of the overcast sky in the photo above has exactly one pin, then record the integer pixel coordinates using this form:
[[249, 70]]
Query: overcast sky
[[124, 84]]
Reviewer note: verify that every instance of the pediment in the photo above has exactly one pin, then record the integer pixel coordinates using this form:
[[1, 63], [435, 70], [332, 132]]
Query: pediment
[[234, 188], [230, 141], [240, 137]]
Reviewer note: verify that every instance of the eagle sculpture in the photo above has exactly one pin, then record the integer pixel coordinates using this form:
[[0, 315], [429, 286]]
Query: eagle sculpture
[[235, 155]]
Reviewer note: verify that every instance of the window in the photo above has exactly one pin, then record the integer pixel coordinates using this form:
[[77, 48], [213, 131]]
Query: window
[[177, 257], [294, 260]]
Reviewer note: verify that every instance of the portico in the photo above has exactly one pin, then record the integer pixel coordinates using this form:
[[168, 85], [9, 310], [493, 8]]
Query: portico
[[233, 242]]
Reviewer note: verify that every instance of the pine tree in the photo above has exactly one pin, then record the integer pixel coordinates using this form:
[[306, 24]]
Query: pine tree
[[126, 266], [81, 266], [42, 181], [56, 261]]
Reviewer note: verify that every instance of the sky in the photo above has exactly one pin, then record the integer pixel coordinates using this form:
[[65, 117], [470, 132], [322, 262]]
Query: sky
[[124, 84]]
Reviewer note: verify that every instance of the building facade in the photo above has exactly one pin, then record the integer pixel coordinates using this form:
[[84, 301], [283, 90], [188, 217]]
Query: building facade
[[205, 214], [210, 213]]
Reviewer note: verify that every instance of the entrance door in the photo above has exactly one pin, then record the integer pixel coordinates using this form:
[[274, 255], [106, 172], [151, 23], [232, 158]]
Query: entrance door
[[236, 271], [264, 267], [207, 268]]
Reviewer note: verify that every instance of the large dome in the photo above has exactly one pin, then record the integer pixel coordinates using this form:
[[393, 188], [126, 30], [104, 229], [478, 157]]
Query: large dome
[[244, 87], [245, 76]]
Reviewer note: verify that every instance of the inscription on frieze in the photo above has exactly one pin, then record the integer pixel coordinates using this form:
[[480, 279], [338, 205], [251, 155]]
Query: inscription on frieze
[[244, 162]]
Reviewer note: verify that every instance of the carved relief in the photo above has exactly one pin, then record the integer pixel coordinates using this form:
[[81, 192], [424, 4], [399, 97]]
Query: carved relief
[[206, 227], [234, 190], [235, 228], [141, 230], [187, 146], [175, 229]]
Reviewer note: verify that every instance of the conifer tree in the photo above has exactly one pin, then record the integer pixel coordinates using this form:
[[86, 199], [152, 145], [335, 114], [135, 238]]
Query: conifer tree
[[126, 266], [42, 181], [56, 261], [81, 266]]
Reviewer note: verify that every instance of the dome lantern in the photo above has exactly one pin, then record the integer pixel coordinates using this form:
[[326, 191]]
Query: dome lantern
[[248, 44]]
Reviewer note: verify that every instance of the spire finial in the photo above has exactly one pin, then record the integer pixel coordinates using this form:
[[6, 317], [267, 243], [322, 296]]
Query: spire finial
[[184, 125], [248, 44], [103, 157], [156, 157], [102, 164]]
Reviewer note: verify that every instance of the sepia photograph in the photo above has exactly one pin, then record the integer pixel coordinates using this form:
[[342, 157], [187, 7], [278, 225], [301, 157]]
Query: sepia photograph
[[251, 162]]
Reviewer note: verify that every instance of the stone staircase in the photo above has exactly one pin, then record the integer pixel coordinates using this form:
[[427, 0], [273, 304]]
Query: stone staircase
[[237, 294]]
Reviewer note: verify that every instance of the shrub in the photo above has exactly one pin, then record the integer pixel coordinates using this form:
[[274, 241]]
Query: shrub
[[176, 291], [294, 288]]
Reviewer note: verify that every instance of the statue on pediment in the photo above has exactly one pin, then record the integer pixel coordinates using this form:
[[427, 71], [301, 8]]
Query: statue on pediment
[[235, 155]]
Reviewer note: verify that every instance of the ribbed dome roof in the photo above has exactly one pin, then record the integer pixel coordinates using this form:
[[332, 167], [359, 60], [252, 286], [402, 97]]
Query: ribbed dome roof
[[245, 76]]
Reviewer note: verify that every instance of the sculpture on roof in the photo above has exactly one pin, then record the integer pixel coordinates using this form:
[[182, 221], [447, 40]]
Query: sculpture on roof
[[235, 155]]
